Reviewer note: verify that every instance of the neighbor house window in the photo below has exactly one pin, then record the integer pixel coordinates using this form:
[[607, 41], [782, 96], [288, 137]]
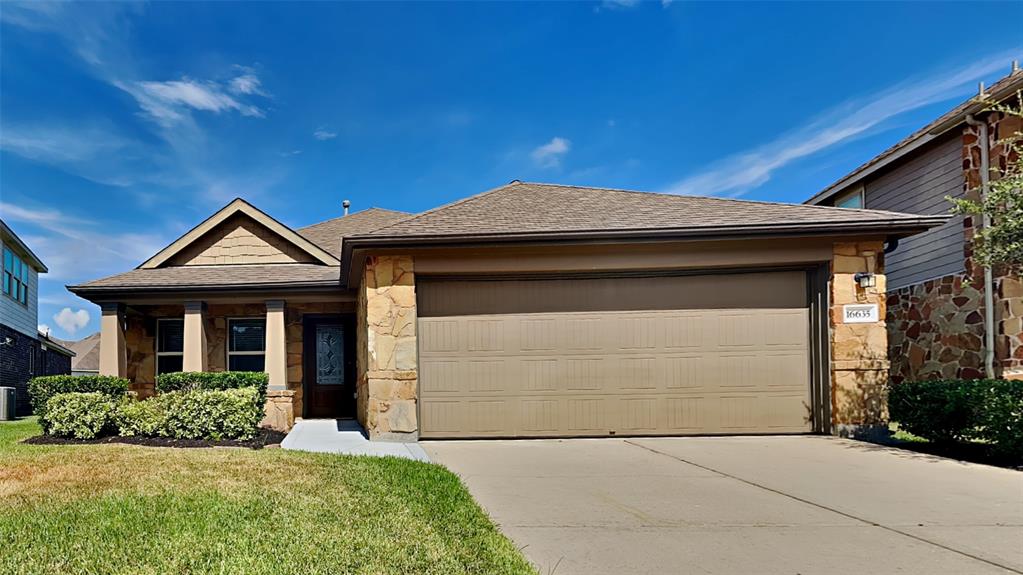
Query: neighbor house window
[[170, 345], [853, 199], [246, 346], [15, 277]]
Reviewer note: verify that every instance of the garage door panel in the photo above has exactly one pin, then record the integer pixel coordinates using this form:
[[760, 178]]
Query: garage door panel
[[627, 372]]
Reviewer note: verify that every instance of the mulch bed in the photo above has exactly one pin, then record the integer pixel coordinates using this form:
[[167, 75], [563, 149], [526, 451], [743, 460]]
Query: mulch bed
[[971, 452], [265, 438]]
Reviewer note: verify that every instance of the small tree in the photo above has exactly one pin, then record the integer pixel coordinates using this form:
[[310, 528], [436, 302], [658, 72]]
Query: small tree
[[1000, 243]]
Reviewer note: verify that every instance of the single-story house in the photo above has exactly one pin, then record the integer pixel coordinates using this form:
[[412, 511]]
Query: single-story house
[[530, 310]]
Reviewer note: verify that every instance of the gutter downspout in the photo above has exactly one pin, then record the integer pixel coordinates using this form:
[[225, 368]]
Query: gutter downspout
[[989, 283]]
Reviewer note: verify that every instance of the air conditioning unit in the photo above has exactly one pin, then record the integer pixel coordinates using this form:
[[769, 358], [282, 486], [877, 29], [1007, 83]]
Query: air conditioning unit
[[8, 403]]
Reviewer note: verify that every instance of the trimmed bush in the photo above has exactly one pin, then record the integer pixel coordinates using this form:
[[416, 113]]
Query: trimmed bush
[[194, 414], [80, 415], [942, 411], [1001, 416], [139, 418], [188, 380], [947, 411], [41, 389]]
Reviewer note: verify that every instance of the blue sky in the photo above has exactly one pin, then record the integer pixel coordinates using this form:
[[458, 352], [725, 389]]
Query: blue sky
[[123, 125]]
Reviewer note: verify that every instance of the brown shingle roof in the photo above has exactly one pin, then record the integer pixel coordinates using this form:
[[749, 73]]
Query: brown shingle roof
[[86, 353], [218, 276], [328, 234], [1008, 85], [535, 208]]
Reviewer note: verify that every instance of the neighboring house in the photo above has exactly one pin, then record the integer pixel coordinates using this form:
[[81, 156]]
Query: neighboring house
[[531, 310], [936, 309], [86, 360], [24, 351]]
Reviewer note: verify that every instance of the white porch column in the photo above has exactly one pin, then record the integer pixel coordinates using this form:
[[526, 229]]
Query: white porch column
[[113, 357], [195, 355], [276, 345]]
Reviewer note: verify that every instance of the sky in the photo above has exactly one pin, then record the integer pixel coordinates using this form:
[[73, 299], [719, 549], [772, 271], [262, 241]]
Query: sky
[[124, 125]]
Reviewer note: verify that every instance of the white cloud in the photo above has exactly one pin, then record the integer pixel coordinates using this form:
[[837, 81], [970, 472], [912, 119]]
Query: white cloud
[[43, 328], [171, 101], [742, 172], [290, 153], [619, 4], [79, 248], [322, 134], [550, 154], [71, 321]]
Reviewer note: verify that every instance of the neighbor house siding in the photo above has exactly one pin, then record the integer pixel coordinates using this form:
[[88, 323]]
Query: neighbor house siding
[[920, 186], [14, 314]]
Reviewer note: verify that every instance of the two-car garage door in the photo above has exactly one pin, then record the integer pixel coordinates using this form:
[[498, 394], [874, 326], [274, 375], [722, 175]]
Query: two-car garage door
[[722, 353]]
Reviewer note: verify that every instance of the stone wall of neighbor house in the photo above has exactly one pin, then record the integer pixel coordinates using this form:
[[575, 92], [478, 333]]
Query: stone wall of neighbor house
[[388, 376], [859, 352]]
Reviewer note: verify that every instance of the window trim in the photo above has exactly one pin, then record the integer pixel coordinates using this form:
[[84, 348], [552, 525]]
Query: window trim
[[227, 341], [156, 346], [857, 192], [16, 281]]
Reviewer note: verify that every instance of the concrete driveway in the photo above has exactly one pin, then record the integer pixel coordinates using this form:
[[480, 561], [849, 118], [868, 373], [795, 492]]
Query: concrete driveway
[[742, 505]]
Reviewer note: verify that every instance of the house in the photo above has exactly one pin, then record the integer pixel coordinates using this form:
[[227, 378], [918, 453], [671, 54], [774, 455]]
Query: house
[[25, 352], [530, 310], [86, 359], [937, 321]]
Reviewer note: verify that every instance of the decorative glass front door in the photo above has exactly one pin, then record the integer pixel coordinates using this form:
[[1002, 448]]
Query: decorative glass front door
[[329, 366]]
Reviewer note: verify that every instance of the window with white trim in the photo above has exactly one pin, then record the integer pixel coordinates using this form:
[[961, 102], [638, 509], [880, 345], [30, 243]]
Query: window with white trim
[[853, 199], [246, 344], [170, 345], [15, 277]]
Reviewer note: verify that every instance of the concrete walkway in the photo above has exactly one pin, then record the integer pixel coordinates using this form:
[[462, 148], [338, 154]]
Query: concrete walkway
[[740, 505], [345, 437]]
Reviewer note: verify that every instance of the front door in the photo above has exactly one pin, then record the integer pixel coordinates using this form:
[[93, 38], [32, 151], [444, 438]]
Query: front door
[[329, 366]]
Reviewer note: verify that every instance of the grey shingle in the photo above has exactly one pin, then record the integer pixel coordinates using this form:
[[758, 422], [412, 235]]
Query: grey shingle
[[327, 235], [218, 276]]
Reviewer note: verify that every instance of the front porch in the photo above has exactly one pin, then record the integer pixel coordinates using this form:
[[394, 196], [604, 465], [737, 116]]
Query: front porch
[[306, 346]]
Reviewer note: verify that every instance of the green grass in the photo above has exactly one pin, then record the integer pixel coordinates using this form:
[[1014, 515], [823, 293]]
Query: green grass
[[128, 509]]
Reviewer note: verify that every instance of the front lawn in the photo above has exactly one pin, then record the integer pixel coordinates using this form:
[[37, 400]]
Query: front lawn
[[113, 508]]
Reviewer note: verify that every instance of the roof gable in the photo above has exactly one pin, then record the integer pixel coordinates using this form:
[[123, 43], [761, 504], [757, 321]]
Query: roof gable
[[239, 233]]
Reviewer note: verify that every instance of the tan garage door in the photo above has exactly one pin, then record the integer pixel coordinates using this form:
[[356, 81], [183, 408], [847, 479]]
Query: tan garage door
[[723, 353]]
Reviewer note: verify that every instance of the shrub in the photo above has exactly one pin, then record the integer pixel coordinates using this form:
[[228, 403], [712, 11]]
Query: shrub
[[188, 380], [80, 415], [1001, 416], [941, 410], [193, 414], [144, 418], [41, 389]]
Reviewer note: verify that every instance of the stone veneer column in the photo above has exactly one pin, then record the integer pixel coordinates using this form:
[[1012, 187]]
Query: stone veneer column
[[859, 351], [387, 363], [276, 346], [195, 356], [113, 358]]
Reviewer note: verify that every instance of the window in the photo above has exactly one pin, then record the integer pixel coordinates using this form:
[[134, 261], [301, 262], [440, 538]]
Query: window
[[170, 345], [15, 277], [853, 199], [246, 349]]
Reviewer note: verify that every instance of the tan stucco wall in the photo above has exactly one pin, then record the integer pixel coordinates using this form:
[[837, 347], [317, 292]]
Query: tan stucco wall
[[240, 240], [387, 363]]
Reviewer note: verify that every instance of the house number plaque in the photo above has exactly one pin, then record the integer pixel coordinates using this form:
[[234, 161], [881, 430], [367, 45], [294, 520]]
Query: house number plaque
[[860, 313]]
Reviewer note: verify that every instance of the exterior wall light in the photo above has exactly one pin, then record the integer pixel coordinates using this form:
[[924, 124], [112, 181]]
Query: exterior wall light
[[865, 279]]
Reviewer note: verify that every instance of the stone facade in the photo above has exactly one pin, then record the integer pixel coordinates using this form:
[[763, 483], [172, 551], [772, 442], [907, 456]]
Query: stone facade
[[387, 363], [140, 341], [859, 352], [279, 411]]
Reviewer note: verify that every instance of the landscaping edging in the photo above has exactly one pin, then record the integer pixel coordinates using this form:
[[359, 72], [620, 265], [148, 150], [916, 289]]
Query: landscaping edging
[[265, 438]]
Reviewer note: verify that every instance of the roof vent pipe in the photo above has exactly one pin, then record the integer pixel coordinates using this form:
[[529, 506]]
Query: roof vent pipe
[[1015, 66], [345, 204]]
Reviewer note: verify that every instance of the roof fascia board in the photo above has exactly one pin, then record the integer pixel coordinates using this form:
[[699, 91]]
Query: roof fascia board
[[13, 238], [236, 206]]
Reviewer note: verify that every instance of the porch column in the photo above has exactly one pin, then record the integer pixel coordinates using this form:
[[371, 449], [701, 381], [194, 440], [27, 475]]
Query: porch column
[[276, 345], [195, 356], [113, 357]]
